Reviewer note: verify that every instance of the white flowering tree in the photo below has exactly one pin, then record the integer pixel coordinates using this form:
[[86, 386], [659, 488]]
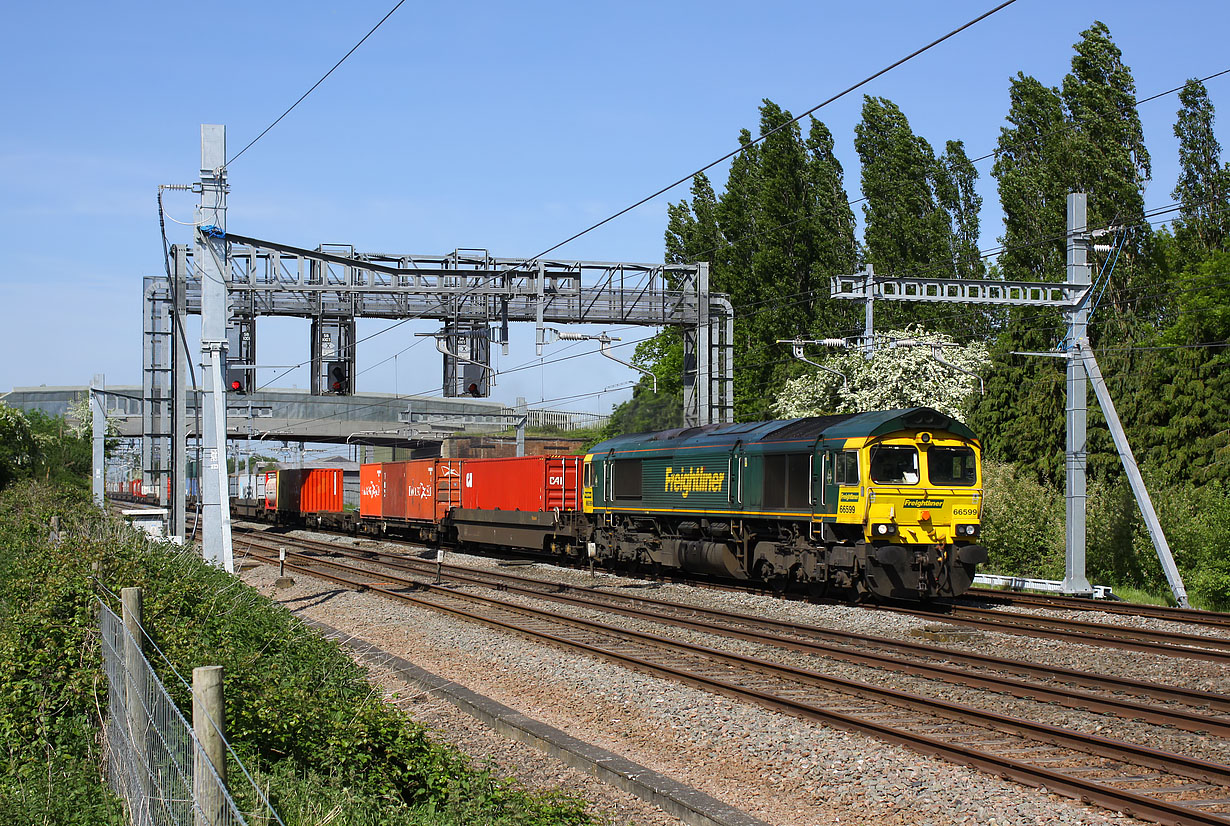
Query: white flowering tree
[[906, 370]]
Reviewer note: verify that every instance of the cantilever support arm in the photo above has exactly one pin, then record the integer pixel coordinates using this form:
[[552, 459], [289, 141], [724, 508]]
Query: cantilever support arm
[[442, 346], [605, 341], [796, 347], [935, 354]]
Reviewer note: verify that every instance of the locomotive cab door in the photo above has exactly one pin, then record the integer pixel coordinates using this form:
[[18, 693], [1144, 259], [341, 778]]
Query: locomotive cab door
[[735, 468]]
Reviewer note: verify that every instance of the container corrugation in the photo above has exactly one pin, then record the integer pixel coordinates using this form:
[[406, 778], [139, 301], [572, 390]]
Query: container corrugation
[[322, 490], [395, 502], [524, 483], [410, 490], [371, 490]]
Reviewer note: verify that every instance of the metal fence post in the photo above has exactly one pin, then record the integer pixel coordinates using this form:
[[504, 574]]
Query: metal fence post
[[209, 723]]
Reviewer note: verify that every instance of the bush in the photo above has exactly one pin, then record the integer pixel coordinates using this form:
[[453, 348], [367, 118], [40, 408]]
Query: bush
[[1023, 530], [300, 712], [1022, 523]]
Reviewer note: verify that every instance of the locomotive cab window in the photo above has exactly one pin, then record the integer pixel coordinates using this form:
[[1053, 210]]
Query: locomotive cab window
[[845, 470], [589, 474], [894, 465], [626, 481], [952, 466]]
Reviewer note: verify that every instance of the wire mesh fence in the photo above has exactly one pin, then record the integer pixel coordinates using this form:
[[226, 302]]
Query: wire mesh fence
[[154, 760]]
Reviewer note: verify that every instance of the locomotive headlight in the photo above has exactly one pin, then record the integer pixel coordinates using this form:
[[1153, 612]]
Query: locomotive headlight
[[883, 529], [967, 530]]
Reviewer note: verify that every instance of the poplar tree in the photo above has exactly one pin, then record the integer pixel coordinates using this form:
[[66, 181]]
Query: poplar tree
[[955, 179], [1204, 182], [907, 231], [779, 230], [836, 249], [1083, 137]]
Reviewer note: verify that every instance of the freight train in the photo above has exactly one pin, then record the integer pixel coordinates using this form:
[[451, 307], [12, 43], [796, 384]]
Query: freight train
[[884, 504]]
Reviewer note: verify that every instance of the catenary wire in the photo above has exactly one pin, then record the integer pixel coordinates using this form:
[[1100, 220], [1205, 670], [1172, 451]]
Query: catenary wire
[[314, 85]]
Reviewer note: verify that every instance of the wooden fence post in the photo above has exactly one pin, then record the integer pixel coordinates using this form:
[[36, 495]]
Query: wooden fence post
[[209, 723]]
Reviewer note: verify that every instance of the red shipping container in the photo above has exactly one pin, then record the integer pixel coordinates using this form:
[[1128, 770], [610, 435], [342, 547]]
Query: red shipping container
[[371, 490], [524, 483], [395, 504]]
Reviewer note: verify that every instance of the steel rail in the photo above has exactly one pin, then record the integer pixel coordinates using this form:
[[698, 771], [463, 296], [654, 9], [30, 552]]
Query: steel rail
[[1128, 801], [1194, 616], [1169, 643]]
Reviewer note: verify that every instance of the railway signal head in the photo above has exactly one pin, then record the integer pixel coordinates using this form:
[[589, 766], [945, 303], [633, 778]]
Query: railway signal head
[[236, 381], [339, 378]]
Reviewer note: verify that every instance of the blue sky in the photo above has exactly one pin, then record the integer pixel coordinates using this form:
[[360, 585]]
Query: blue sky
[[500, 126]]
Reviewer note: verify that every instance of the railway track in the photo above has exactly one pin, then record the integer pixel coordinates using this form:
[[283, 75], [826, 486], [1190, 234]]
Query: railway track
[[1193, 616], [1138, 780], [1200, 712]]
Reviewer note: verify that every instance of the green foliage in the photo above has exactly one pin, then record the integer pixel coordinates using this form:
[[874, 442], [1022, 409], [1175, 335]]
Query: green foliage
[[48, 448], [18, 450], [1204, 181], [907, 233], [903, 373], [65, 454], [646, 411], [955, 179], [1022, 523], [779, 230], [922, 213], [1023, 530], [299, 711], [1085, 137]]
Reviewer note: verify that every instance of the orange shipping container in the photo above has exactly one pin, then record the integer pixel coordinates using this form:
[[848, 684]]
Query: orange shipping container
[[525, 483], [306, 490], [321, 490]]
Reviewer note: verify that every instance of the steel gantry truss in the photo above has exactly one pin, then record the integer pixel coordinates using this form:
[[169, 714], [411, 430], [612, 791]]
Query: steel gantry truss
[[1073, 298], [468, 287], [231, 279]]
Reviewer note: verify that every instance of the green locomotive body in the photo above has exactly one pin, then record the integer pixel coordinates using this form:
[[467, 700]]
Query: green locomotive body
[[885, 503]]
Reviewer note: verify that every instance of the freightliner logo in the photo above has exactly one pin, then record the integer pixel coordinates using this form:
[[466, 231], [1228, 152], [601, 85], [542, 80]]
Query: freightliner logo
[[924, 503], [693, 480]]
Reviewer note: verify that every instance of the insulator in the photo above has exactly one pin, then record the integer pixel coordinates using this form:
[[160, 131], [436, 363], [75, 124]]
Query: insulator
[[573, 336]]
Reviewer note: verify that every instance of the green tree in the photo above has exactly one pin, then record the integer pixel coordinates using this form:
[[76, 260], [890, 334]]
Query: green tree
[[955, 179], [835, 248], [908, 232], [19, 454], [1204, 182], [779, 230], [1085, 137], [65, 453]]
